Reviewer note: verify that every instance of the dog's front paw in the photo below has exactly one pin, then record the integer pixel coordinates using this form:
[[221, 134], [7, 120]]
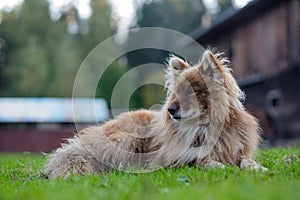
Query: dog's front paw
[[261, 168], [213, 164], [251, 164]]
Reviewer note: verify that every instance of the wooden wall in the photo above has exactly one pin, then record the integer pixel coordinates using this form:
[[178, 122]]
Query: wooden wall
[[32, 139], [267, 44]]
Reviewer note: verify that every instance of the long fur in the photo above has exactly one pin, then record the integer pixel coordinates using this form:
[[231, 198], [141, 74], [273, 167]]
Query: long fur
[[211, 116]]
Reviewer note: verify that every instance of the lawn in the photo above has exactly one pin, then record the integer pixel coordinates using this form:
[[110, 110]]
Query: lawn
[[20, 178]]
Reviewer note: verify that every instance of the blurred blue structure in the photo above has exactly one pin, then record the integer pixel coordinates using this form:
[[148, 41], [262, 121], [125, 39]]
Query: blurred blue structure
[[40, 124], [51, 110]]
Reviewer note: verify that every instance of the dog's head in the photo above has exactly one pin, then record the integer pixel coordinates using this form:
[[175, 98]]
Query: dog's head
[[192, 89]]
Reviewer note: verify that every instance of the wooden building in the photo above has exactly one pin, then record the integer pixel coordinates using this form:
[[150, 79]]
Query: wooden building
[[262, 40]]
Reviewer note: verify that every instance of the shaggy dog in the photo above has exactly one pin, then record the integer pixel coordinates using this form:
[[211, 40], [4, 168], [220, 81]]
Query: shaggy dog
[[202, 123]]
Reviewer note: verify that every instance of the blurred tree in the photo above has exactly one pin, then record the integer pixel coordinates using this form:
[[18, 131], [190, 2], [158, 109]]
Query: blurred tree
[[30, 77], [182, 16], [99, 29], [66, 63], [26, 35], [99, 24], [2, 64], [158, 91], [108, 81], [178, 15], [40, 56]]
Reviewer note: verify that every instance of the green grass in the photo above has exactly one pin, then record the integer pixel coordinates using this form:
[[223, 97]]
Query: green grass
[[20, 179]]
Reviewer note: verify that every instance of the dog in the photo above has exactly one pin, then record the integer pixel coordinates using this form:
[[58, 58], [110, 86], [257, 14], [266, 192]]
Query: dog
[[202, 123]]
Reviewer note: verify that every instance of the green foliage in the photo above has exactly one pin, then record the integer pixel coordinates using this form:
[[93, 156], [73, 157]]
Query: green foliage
[[40, 56], [99, 23], [183, 16], [26, 65], [108, 81], [143, 97], [21, 179], [61, 82]]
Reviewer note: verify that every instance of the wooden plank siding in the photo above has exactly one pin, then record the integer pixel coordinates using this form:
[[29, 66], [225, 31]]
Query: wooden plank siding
[[265, 45]]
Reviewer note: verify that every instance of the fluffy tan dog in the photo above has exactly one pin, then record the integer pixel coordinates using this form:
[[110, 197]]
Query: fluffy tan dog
[[202, 123]]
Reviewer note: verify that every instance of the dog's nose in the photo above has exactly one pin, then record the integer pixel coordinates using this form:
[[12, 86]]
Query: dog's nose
[[173, 109]]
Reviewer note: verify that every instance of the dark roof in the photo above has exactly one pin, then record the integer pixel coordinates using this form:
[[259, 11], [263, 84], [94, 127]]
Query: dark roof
[[232, 18]]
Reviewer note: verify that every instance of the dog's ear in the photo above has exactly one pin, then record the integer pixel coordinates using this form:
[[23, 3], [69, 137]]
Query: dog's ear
[[213, 65], [177, 65], [210, 61]]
